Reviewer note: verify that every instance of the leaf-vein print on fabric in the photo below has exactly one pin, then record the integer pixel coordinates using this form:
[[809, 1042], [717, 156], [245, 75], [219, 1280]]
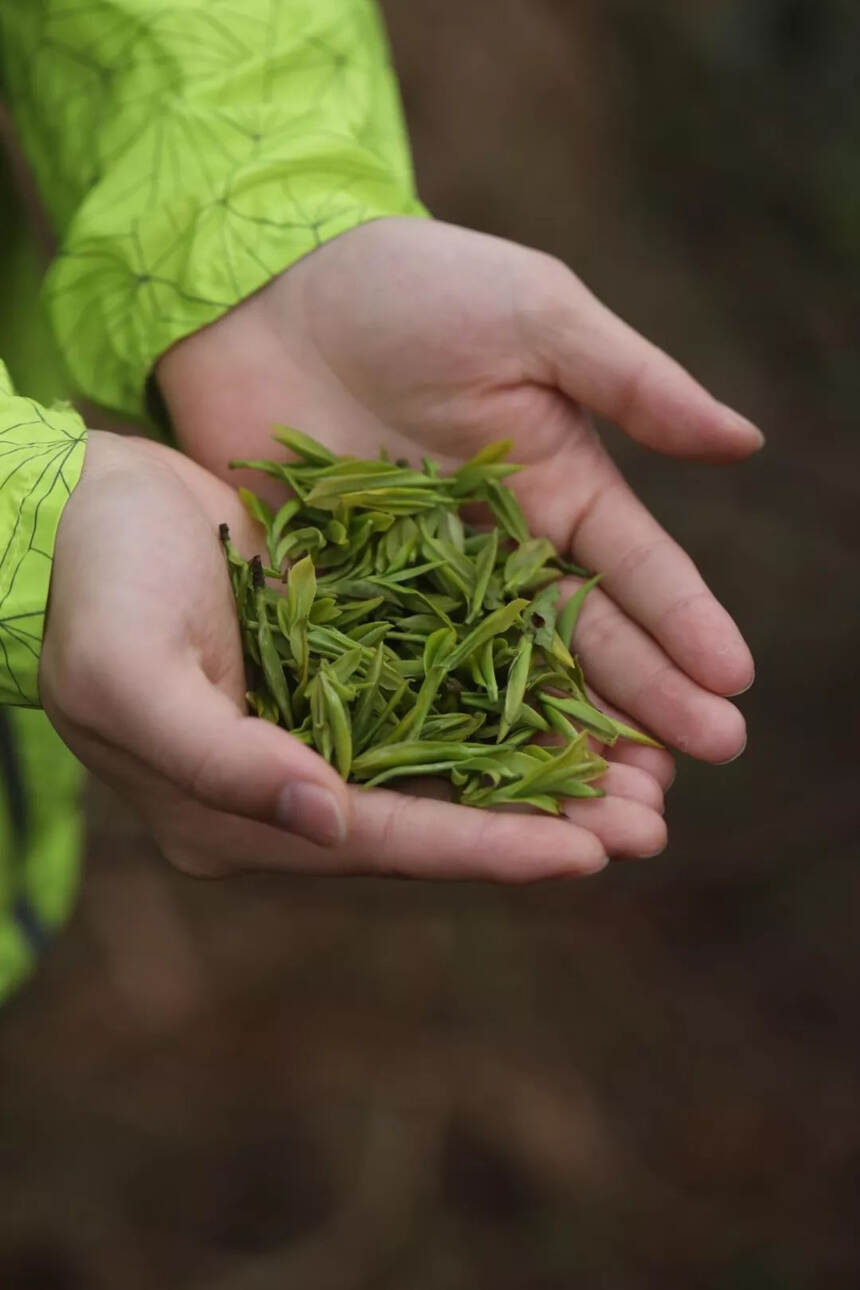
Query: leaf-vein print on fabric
[[41, 454], [190, 152]]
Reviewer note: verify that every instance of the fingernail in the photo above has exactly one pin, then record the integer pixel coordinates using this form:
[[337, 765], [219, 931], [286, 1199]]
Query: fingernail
[[749, 685], [740, 752], [312, 812], [743, 424], [652, 855]]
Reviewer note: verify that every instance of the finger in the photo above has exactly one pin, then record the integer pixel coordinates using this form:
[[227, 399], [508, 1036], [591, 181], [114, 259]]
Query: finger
[[393, 834], [627, 822], [648, 575], [451, 842], [657, 763], [619, 781], [633, 784], [632, 671], [601, 362], [398, 834], [626, 828], [187, 731], [208, 822]]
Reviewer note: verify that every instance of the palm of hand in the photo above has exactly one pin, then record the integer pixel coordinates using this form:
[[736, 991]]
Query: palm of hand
[[429, 339], [142, 675], [141, 623]]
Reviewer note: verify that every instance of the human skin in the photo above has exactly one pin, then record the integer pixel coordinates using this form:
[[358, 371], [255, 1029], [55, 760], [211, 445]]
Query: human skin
[[428, 338], [431, 340], [143, 677]]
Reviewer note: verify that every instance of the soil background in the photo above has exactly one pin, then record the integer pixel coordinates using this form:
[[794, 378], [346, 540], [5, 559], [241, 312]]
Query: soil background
[[650, 1079]]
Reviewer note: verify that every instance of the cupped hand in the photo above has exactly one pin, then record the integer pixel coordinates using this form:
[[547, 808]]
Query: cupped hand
[[142, 676], [432, 339]]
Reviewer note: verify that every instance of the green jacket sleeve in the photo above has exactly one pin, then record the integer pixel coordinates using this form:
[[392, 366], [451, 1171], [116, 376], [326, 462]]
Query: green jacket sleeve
[[188, 152], [41, 455]]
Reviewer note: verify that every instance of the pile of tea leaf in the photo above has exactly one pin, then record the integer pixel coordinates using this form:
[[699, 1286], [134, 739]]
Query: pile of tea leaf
[[410, 641]]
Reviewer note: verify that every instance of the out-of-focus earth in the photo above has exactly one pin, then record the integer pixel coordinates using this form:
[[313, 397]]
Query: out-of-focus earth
[[650, 1079]]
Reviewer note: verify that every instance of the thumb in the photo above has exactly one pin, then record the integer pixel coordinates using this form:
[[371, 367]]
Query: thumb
[[194, 735], [599, 361]]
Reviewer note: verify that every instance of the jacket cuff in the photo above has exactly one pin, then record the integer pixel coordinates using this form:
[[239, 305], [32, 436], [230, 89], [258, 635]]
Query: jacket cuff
[[126, 288]]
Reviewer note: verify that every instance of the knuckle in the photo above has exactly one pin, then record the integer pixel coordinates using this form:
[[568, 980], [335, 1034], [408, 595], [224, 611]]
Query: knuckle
[[545, 302], [553, 274], [637, 556], [204, 779], [683, 605], [391, 860], [607, 485], [632, 389], [662, 687], [596, 630]]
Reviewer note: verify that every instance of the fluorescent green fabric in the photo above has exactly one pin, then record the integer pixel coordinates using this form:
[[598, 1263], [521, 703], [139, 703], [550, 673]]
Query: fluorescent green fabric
[[55, 781], [17, 957], [39, 871], [41, 455], [188, 152]]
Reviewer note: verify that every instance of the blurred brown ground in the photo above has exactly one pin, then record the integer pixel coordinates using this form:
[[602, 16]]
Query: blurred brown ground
[[649, 1080]]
